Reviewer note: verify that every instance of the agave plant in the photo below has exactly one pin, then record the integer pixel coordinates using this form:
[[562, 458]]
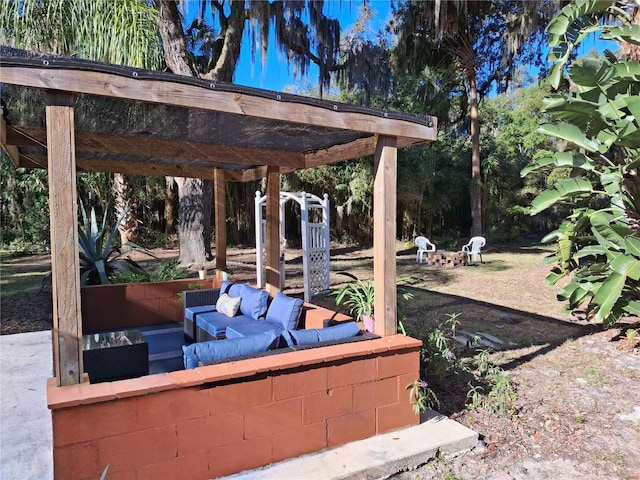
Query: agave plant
[[100, 260]]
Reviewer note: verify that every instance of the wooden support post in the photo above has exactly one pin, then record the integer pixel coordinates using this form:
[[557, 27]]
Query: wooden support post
[[384, 235], [63, 205], [273, 231], [220, 208]]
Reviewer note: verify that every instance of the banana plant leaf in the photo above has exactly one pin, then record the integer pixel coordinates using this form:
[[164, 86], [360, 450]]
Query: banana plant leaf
[[607, 295], [626, 265], [570, 133], [566, 188]]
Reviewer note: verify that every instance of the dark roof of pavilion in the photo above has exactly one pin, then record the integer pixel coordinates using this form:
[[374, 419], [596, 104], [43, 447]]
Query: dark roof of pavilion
[[135, 121]]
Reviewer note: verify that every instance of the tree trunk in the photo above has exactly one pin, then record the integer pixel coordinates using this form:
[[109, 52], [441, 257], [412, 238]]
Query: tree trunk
[[476, 179], [194, 212], [170, 206], [174, 45], [125, 202], [194, 228]]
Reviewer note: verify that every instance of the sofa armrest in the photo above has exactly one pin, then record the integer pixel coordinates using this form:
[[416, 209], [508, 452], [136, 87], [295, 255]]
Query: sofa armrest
[[197, 298]]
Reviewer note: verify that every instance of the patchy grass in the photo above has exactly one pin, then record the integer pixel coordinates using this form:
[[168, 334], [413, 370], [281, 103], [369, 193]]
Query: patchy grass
[[20, 275], [24, 308]]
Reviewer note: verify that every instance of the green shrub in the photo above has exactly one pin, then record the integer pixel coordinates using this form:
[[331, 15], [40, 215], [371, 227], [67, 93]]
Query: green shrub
[[169, 270], [492, 390], [488, 386], [130, 277]]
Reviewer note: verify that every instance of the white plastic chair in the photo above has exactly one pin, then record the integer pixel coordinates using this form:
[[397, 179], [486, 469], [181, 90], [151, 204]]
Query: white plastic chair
[[424, 247], [474, 248]]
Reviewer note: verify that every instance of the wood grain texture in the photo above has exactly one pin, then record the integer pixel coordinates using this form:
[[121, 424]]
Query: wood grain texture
[[384, 236], [220, 212], [10, 148], [67, 319], [128, 168], [272, 241], [192, 96]]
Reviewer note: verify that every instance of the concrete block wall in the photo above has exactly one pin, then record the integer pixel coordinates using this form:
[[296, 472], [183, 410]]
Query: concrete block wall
[[221, 419], [120, 306]]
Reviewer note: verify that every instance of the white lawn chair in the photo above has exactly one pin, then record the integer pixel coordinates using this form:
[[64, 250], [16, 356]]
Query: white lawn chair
[[424, 247], [474, 248]]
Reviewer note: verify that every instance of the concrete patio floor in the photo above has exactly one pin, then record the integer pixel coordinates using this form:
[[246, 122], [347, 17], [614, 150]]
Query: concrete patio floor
[[26, 362], [26, 435]]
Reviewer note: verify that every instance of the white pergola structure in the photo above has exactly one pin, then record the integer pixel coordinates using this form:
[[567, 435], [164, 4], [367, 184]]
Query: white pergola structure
[[83, 118], [315, 240]]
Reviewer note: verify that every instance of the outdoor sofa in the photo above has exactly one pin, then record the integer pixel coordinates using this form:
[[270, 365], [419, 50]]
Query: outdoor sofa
[[237, 310], [238, 320]]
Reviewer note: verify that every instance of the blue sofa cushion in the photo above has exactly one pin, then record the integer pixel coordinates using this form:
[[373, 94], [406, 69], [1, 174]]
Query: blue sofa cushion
[[285, 311], [232, 289], [220, 349], [315, 335], [252, 328], [300, 337], [254, 302], [215, 323], [191, 312]]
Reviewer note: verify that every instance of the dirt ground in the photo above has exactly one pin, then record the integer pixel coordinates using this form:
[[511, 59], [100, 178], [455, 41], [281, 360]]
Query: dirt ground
[[578, 386]]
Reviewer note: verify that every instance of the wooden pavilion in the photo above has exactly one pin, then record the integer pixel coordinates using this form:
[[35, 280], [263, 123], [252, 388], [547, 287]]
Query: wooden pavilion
[[88, 116]]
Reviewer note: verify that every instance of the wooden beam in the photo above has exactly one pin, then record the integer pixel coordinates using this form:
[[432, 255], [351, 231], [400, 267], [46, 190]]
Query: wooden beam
[[11, 149], [163, 148], [65, 268], [362, 147], [384, 236], [129, 168], [167, 92], [253, 174], [273, 231], [220, 209], [150, 169]]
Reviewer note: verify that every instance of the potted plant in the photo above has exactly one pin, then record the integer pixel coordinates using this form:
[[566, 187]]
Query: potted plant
[[202, 272], [358, 298]]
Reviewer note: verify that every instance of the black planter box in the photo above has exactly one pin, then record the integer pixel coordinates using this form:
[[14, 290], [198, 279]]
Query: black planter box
[[110, 356]]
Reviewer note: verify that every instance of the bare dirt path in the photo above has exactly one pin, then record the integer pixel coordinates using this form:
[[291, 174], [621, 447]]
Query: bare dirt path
[[578, 407]]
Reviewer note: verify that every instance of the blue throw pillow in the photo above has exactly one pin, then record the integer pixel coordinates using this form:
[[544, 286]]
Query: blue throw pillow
[[232, 289], [197, 353], [254, 302], [284, 311]]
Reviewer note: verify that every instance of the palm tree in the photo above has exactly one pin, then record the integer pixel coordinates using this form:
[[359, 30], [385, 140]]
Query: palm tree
[[123, 32], [484, 41]]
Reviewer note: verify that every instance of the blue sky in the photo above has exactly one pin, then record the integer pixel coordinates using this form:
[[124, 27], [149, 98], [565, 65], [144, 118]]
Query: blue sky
[[278, 76]]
